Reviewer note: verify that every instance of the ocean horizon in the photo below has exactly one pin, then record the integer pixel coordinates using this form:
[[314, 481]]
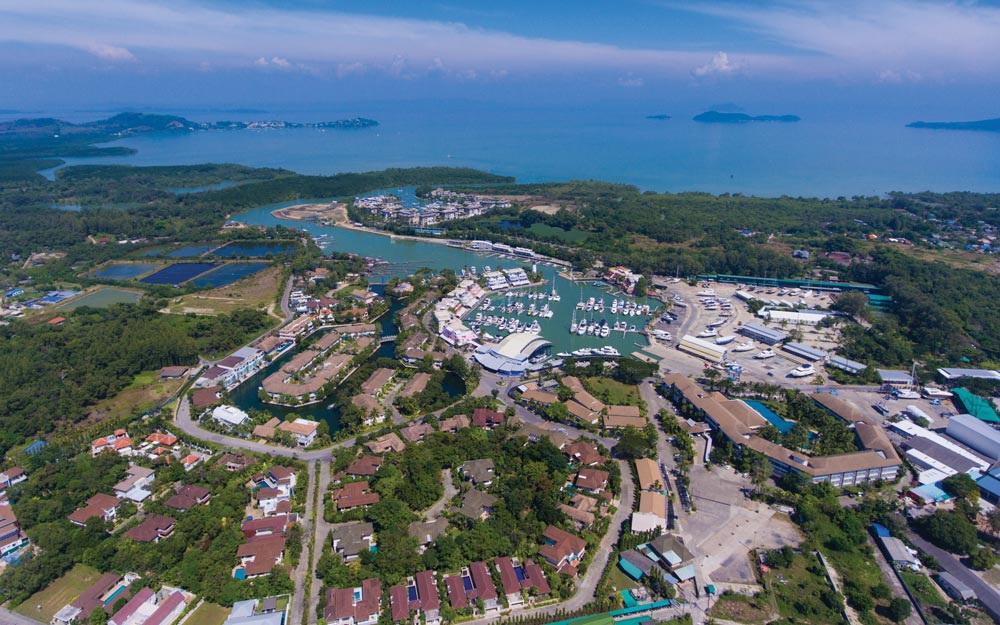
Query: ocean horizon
[[816, 157]]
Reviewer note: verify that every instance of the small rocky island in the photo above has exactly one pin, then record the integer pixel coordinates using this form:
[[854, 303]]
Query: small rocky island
[[982, 125], [717, 117]]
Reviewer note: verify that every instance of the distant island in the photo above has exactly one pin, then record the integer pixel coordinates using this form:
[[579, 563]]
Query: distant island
[[716, 117], [982, 125], [661, 116], [131, 124]]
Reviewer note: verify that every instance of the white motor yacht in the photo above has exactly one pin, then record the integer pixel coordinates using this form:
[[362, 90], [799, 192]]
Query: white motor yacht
[[802, 371], [767, 353]]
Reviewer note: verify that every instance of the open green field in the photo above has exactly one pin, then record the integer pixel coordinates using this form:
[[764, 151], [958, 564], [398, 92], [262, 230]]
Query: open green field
[[742, 609], [612, 391], [923, 589], [57, 594], [102, 298], [209, 614]]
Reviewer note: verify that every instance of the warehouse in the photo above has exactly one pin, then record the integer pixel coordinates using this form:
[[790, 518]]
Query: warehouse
[[798, 317], [702, 349], [851, 366], [979, 374], [762, 334], [804, 352], [895, 377], [976, 434]]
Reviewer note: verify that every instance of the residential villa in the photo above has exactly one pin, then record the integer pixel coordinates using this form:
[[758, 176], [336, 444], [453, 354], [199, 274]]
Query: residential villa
[[354, 606], [350, 540], [102, 506], [562, 550]]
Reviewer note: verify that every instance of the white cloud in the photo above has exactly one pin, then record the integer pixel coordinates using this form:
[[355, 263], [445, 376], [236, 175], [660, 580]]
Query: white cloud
[[889, 40], [107, 52], [720, 65], [322, 40], [631, 82]]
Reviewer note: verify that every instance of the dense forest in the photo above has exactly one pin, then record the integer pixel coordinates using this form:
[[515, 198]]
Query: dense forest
[[52, 373]]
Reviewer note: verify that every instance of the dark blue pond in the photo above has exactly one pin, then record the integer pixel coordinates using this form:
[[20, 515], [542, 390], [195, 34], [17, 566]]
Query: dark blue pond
[[254, 249], [227, 274], [124, 271], [181, 272]]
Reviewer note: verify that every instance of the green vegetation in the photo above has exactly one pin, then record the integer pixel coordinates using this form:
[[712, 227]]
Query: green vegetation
[[209, 614], [802, 591], [50, 374], [59, 593]]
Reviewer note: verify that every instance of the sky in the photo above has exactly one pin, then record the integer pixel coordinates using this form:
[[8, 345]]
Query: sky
[[925, 59]]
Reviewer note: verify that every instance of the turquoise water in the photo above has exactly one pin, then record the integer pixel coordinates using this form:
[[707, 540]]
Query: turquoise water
[[406, 256], [774, 419], [815, 157]]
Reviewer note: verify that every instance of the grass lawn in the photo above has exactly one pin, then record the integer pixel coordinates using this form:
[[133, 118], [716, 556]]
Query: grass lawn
[[146, 390], [612, 391], [57, 594], [620, 580], [742, 609], [209, 614]]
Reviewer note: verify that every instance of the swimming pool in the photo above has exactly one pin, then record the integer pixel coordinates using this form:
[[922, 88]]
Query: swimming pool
[[783, 426]]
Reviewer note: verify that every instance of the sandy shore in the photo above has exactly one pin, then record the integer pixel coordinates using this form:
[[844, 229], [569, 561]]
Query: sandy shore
[[312, 212]]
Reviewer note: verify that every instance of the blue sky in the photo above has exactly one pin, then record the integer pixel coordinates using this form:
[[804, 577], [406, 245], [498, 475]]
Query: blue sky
[[889, 57]]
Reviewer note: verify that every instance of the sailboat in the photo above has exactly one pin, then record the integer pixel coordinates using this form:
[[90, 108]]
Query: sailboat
[[572, 325], [554, 297]]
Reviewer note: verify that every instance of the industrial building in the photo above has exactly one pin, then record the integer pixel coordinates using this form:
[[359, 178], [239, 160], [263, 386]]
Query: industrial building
[[978, 435], [762, 334], [851, 366], [804, 351], [702, 349]]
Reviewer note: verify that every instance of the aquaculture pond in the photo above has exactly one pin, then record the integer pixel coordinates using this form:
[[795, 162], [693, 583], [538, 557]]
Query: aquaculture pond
[[124, 271], [254, 249], [178, 273], [227, 274]]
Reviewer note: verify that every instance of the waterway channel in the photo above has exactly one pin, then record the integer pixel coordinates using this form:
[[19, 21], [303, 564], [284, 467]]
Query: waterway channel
[[404, 256]]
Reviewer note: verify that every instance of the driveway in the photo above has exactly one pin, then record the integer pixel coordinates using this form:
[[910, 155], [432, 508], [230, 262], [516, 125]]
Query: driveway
[[449, 491], [13, 618], [299, 600], [984, 592]]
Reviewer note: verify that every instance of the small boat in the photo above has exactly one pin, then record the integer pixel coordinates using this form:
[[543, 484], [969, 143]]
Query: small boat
[[725, 340], [767, 353], [572, 325], [802, 371], [907, 394], [631, 329], [581, 329], [931, 392], [745, 346], [708, 333]]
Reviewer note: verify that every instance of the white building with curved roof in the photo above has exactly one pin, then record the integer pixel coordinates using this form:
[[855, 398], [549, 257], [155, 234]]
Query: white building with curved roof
[[514, 354]]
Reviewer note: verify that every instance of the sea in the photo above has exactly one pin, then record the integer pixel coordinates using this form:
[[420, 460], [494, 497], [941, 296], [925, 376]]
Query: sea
[[820, 156]]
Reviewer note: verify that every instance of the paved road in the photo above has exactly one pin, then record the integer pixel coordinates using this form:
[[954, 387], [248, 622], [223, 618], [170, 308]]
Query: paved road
[[322, 532], [449, 491], [13, 618], [307, 522], [892, 579], [188, 426], [984, 592]]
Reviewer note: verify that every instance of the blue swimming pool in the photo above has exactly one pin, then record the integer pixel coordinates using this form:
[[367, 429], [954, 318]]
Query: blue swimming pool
[[519, 572], [783, 426], [467, 583], [411, 593], [114, 595]]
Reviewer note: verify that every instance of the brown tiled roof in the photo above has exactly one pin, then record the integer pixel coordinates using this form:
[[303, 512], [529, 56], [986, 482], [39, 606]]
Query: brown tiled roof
[[365, 465], [153, 527]]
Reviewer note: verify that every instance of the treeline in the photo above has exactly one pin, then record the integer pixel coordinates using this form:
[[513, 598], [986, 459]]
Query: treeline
[[135, 202], [52, 374]]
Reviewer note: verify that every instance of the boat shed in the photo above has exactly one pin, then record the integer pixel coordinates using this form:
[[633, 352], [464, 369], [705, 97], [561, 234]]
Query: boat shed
[[804, 351], [974, 405], [895, 377], [762, 334], [974, 432], [980, 374], [702, 349], [851, 366]]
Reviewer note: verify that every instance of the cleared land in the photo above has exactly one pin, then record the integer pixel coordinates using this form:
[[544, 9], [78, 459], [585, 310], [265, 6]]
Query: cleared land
[[255, 291], [742, 609], [146, 391], [209, 614], [57, 594], [613, 392]]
